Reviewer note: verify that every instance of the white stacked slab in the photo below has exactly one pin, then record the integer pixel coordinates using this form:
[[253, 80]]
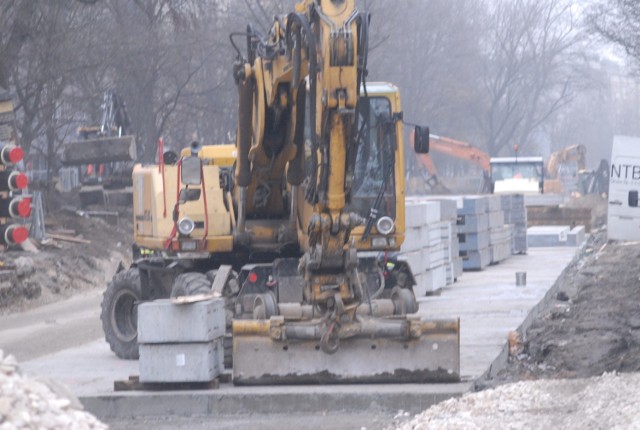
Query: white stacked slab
[[499, 233], [449, 216], [473, 231], [515, 214], [426, 246], [181, 343]]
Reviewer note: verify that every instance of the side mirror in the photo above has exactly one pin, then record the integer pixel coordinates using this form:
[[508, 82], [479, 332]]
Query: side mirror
[[633, 199], [189, 195], [421, 140], [190, 172]]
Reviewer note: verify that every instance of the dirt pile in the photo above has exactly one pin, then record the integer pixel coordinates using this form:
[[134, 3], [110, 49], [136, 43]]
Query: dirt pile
[[84, 254], [593, 326]]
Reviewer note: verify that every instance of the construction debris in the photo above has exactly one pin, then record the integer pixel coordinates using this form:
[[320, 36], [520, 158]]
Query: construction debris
[[26, 403], [608, 401]]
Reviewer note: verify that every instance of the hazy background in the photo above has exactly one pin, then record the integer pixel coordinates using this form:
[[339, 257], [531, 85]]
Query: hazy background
[[542, 74]]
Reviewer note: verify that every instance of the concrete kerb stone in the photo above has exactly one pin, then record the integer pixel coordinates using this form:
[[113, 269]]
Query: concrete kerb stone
[[412, 398]]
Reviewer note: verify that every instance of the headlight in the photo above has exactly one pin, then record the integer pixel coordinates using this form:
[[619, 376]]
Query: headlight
[[186, 226], [385, 225]]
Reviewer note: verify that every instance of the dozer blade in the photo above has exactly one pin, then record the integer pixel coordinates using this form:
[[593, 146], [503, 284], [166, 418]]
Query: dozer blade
[[99, 150], [259, 359]]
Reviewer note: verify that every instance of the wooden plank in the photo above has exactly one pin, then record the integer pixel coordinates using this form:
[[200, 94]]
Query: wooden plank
[[69, 238], [134, 384], [185, 300]]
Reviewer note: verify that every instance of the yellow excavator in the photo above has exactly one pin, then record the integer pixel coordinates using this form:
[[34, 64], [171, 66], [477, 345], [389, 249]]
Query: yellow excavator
[[295, 224], [571, 159]]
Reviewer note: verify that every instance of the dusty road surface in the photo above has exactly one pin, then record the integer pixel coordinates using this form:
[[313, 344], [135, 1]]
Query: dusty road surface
[[50, 299], [50, 328]]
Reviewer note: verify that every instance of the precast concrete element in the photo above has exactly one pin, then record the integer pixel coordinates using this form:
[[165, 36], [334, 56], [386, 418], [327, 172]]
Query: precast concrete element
[[515, 214], [474, 241], [576, 236], [548, 235], [429, 240], [181, 362], [161, 321], [473, 223], [181, 342]]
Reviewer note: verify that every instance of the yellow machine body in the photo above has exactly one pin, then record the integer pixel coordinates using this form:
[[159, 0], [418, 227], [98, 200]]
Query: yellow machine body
[[317, 165]]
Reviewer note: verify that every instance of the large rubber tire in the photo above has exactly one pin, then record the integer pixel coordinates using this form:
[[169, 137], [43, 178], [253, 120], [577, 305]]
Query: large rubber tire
[[190, 284], [119, 313]]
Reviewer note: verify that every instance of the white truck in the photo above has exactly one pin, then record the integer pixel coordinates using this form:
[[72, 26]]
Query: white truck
[[623, 221], [524, 175]]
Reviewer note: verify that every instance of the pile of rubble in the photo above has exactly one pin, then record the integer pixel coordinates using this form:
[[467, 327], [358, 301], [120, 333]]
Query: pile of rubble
[[27, 403], [608, 401]]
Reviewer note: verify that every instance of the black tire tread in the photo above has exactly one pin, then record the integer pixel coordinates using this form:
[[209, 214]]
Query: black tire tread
[[190, 284], [127, 279]]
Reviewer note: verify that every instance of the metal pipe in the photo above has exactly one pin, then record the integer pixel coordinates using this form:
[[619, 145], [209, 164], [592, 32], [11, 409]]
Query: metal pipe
[[294, 203], [241, 209]]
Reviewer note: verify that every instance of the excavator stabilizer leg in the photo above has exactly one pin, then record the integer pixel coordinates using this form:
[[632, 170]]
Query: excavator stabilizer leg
[[259, 359]]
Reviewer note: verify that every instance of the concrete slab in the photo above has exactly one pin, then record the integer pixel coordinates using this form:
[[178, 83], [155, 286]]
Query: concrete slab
[[548, 235], [488, 304]]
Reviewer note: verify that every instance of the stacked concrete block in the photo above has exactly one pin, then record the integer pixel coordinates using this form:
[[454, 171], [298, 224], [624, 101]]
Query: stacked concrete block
[[426, 246], [501, 240], [499, 233], [181, 343], [473, 232], [515, 214], [449, 235]]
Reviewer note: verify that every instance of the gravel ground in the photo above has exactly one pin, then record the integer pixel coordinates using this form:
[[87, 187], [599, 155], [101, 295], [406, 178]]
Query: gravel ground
[[606, 402], [26, 403]]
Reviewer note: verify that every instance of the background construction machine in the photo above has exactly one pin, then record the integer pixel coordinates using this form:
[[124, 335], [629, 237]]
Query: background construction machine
[[563, 166], [456, 149], [104, 156], [566, 173], [314, 202]]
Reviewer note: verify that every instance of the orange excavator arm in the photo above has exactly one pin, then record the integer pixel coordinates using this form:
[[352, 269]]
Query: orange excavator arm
[[461, 150], [457, 149]]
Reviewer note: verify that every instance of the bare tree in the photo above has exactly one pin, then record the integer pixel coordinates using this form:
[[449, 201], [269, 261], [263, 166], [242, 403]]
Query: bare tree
[[619, 22], [531, 69]]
